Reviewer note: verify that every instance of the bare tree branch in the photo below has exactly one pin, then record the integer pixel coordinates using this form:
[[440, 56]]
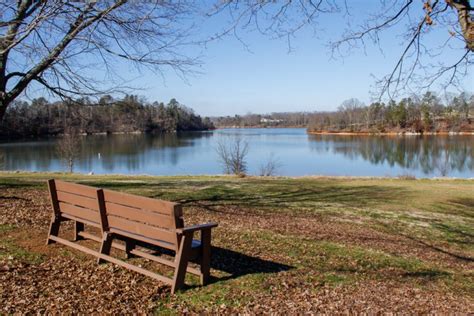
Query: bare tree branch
[[59, 44]]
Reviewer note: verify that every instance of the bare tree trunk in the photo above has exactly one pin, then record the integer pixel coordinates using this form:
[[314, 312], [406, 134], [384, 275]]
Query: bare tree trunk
[[3, 90], [3, 107], [463, 8]]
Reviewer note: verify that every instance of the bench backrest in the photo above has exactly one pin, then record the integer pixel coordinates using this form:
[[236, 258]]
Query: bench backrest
[[73, 201], [138, 215], [142, 218]]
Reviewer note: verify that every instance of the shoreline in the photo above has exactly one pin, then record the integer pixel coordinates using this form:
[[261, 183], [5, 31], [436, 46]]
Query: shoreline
[[258, 127], [141, 177], [342, 133], [35, 137], [393, 133]]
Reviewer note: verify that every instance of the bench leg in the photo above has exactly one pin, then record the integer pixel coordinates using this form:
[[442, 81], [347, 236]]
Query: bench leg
[[105, 246], [53, 230], [78, 227], [181, 262], [129, 246], [205, 256]]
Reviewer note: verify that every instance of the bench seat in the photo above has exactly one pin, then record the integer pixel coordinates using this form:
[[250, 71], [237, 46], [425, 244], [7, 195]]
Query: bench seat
[[135, 220]]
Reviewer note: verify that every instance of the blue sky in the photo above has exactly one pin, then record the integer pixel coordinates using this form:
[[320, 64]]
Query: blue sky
[[268, 78]]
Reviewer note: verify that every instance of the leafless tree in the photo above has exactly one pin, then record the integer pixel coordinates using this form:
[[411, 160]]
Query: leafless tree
[[420, 64], [270, 167], [68, 147], [54, 45], [232, 154]]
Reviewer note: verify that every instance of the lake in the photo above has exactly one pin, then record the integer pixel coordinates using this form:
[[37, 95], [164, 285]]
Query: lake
[[297, 153]]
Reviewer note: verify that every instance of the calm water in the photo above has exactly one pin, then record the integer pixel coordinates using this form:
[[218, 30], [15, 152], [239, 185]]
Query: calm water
[[297, 153]]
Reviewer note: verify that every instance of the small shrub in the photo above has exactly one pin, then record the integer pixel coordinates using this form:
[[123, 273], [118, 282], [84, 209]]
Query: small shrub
[[270, 167], [68, 147], [232, 155], [407, 177]]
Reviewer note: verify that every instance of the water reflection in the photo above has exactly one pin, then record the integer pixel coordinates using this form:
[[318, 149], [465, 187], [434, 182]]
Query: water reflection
[[425, 153], [299, 153], [106, 151]]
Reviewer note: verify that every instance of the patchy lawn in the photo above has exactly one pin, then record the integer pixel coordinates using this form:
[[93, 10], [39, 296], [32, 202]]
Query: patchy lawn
[[283, 246]]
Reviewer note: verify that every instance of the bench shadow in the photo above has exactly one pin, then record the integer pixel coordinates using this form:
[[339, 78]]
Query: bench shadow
[[233, 263], [237, 264]]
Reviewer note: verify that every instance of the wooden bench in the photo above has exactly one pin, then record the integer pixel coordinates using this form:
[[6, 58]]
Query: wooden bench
[[141, 223]]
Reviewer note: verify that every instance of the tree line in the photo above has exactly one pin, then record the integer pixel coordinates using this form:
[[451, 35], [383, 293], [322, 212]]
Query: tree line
[[110, 115], [276, 119], [417, 114]]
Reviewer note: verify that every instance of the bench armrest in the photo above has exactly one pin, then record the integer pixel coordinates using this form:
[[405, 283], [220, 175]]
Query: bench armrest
[[194, 228]]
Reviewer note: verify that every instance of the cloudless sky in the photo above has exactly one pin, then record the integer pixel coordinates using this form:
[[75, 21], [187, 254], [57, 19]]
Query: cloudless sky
[[266, 77]]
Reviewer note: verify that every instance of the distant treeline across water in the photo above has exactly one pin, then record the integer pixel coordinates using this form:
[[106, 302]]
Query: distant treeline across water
[[126, 115], [416, 114]]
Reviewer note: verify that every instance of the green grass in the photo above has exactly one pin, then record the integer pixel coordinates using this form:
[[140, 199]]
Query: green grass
[[326, 257], [440, 209], [6, 228], [10, 250], [313, 265]]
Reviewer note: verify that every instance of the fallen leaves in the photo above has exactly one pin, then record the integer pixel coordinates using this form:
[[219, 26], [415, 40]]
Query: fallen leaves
[[66, 281], [70, 286], [24, 208]]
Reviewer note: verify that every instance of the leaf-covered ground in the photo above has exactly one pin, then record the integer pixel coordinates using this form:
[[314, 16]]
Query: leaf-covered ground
[[282, 246]]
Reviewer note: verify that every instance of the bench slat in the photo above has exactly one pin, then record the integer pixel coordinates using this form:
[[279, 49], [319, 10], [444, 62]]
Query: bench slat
[[65, 216], [140, 202], [142, 229], [80, 212], [139, 215], [155, 242], [78, 200], [113, 260], [77, 189]]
